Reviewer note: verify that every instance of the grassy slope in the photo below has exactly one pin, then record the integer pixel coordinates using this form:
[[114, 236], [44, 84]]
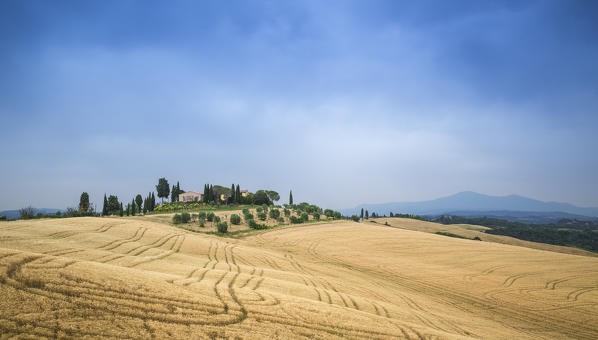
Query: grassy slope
[[137, 278], [471, 231]]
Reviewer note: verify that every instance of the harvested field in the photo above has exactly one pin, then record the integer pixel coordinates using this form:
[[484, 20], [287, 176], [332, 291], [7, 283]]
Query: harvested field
[[135, 278], [472, 231]]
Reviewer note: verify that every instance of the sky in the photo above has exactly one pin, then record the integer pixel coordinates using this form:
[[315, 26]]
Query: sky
[[343, 102]]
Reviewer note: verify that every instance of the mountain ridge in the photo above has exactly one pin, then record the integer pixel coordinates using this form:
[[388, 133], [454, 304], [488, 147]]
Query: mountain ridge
[[475, 202]]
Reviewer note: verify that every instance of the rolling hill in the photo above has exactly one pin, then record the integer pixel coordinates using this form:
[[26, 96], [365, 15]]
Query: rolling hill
[[136, 278]]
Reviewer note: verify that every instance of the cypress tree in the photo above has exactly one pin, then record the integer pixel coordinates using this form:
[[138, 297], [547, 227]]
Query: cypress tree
[[105, 207], [162, 188], [211, 190], [139, 201], [173, 194], [362, 213], [128, 209], [121, 211], [291, 197], [133, 207], [367, 214], [238, 194], [153, 201], [233, 194]]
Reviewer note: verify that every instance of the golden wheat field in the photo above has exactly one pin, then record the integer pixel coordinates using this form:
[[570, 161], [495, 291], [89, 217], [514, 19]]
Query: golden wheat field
[[134, 278]]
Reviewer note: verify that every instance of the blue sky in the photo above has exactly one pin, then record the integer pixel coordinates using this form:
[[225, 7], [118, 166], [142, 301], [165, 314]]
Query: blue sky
[[344, 102]]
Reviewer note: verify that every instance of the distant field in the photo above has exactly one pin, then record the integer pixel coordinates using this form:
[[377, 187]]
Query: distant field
[[472, 231], [139, 278]]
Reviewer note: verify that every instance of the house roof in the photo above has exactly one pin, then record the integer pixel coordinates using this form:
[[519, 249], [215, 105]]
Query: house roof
[[244, 191]]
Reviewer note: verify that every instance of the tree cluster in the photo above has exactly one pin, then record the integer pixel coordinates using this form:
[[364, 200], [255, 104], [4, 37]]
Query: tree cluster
[[175, 192], [111, 205]]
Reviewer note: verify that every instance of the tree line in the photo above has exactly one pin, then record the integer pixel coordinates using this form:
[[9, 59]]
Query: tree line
[[111, 205]]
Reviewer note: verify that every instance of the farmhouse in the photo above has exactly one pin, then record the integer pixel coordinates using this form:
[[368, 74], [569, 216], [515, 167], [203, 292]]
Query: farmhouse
[[244, 193], [190, 196]]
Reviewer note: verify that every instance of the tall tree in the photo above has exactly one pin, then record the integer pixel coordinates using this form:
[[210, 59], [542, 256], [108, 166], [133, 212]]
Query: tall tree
[[261, 197], [84, 203], [133, 207], [113, 205], [233, 193], [367, 214], [105, 207], [120, 210], [177, 191], [128, 209], [153, 201], [212, 197], [163, 188], [291, 197], [139, 201], [173, 194], [238, 194], [361, 213], [272, 195]]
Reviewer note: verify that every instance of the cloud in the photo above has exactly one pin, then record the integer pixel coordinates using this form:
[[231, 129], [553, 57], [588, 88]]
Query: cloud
[[341, 102]]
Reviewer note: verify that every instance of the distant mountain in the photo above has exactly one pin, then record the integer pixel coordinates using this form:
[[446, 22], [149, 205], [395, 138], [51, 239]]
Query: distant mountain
[[14, 214], [469, 201]]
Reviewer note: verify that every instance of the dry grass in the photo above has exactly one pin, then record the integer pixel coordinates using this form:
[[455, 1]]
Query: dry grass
[[134, 278], [472, 231]]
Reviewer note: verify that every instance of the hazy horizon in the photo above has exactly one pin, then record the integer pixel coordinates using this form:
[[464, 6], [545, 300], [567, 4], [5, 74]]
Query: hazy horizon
[[343, 102]]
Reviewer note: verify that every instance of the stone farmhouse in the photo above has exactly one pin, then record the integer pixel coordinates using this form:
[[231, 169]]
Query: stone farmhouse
[[190, 196]]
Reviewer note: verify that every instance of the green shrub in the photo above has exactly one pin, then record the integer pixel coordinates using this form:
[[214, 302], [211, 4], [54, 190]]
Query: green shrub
[[185, 217], [304, 217], [295, 220], [217, 219], [248, 216], [177, 219], [261, 216], [274, 214], [222, 227], [254, 225], [202, 222], [202, 215], [235, 219], [280, 220], [210, 216], [444, 233], [2, 218], [259, 209], [316, 216], [245, 211], [355, 218], [287, 212]]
